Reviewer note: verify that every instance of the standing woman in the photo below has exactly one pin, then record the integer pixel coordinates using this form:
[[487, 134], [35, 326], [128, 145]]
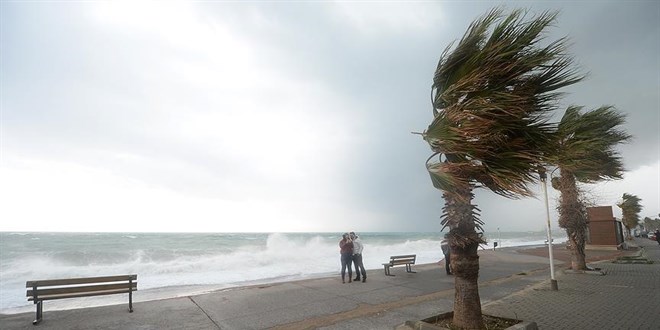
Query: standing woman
[[346, 250]]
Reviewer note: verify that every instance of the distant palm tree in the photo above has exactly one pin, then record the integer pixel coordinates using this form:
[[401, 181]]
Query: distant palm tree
[[584, 151], [630, 208], [491, 96]]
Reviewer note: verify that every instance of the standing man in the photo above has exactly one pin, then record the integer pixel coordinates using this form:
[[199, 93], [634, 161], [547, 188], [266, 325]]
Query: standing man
[[657, 235], [444, 245], [357, 258]]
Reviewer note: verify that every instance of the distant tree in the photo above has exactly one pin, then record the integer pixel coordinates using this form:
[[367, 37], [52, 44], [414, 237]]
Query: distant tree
[[584, 151], [630, 208], [647, 222], [492, 94], [651, 224]]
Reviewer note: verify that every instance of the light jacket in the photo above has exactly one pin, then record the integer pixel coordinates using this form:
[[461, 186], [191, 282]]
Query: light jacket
[[357, 246]]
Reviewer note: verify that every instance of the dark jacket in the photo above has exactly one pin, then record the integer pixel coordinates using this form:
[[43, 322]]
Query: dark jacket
[[345, 246], [444, 245]]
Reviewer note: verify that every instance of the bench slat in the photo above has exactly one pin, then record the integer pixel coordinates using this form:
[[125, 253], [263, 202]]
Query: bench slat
[[82, 280], [402, 262], [77, 289], [81, 294], [404, 256]]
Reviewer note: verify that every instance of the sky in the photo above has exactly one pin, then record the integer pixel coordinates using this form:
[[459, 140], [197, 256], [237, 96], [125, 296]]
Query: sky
[[223, 116]]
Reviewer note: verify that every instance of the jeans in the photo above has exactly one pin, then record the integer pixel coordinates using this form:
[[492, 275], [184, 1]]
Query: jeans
[[346, 261], [359, 267], [447, 263]]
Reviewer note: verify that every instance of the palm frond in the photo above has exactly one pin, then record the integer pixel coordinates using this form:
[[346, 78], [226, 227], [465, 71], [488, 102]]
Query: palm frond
[[492, 95], [586, 143], [630, 207]]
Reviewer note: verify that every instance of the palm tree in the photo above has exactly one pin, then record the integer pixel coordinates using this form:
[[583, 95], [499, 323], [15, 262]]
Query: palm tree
[[491, 95], [630, 208], [584, 152]]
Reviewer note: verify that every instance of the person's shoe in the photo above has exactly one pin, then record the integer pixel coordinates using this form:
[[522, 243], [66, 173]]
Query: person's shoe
[[364, 279], [349, 280], [343, 281], [356, 279]]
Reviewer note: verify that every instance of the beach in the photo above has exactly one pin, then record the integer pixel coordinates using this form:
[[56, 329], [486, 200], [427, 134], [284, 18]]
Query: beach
[[381, 303]]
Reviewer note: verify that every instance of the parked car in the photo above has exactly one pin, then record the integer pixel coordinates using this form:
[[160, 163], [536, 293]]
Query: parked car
[[652, 236]]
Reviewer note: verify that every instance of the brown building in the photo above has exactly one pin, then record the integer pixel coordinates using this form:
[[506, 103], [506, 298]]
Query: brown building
[[604, 229]]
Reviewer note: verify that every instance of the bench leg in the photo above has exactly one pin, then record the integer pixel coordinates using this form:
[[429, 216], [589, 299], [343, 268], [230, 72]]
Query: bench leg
[[409, 269], [387, 270], [130, 295], [39, 312]]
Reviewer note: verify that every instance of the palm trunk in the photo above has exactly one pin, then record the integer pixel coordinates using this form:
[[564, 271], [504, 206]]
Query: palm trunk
[[464, 242], [577, 241], [628, 234], [467, 303], [573, 218]]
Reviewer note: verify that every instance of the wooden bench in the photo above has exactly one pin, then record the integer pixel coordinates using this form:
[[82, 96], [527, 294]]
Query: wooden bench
[[407, 260], [38, 291]]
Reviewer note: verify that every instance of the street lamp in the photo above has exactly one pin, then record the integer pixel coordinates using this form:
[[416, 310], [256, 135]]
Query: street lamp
[[553, 281]]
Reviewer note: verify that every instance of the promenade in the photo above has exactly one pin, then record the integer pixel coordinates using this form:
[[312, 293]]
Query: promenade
[[626, 297], [514, 282]]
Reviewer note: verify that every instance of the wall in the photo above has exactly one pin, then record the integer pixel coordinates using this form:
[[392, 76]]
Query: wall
[[602, 226]]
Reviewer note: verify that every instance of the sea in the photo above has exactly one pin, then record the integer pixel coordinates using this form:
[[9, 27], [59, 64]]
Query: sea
[[180, 264]]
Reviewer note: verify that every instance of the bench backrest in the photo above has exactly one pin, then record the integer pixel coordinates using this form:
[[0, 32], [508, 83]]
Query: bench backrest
[[80, 287], [403, 259]]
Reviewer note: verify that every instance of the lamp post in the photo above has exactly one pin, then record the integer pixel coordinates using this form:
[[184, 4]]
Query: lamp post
[[553, 281]]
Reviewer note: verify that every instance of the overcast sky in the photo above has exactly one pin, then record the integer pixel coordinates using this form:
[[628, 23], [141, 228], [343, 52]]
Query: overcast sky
[[262, 116]]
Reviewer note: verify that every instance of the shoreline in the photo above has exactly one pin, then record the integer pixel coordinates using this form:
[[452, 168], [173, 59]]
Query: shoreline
[[159, 293], [179, 262], [383, 301], [561, 256]]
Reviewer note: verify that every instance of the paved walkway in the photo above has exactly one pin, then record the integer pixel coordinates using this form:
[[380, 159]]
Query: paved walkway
[[512, 283], [626, 297]]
